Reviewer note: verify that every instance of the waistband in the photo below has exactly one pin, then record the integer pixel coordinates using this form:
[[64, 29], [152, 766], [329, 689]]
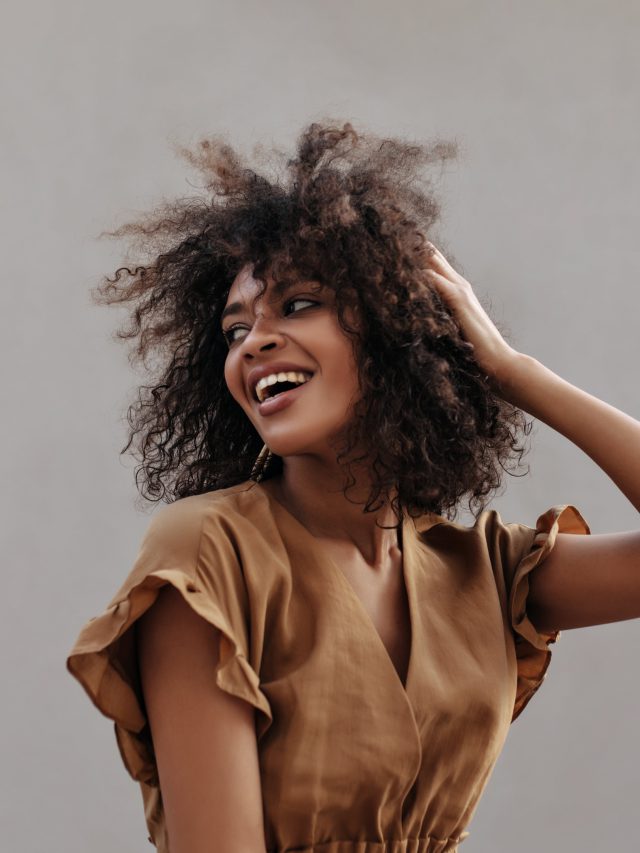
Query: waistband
[[424, 844]]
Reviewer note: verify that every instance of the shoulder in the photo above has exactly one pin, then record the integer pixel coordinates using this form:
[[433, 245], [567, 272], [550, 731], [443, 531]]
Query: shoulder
[[202, 542], [181, 525], [487, 526], [198, 537], [488, 538]]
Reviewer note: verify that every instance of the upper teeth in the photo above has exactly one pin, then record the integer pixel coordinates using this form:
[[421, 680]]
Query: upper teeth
[[272, 378]]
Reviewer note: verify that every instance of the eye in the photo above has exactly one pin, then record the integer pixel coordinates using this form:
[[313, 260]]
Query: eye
[[299, 299], [228, 333]]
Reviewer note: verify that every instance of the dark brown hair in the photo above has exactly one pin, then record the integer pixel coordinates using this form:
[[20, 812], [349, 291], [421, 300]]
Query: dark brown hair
[[351, 210]]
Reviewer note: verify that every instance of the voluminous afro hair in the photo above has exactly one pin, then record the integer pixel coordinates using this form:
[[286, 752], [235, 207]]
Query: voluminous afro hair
[[351, 210]]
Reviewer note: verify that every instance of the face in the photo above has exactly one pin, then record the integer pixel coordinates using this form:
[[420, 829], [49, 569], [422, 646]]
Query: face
[[300, 329]]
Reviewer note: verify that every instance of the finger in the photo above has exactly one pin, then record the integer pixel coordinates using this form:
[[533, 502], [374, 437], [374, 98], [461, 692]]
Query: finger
[[439, 262], [443, 283]]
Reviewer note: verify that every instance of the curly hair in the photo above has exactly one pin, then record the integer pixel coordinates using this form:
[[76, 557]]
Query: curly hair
[[353, 211]]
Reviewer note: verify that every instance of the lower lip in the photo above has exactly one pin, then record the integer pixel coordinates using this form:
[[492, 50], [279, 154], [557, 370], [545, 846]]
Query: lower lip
[[275, 404]]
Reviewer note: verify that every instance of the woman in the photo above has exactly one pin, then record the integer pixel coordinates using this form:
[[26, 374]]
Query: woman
[[309, 653]]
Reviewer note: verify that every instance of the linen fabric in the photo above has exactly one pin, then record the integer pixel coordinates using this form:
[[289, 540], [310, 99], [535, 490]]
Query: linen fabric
[[351, 759]]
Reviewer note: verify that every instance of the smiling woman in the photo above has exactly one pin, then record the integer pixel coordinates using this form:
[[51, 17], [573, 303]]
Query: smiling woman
[[346, 230], [309, 654]]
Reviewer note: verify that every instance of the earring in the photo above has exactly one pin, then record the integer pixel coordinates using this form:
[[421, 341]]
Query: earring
[[261, 463]]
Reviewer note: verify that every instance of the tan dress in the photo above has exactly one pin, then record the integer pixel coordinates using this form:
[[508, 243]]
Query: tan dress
[[351, 759]]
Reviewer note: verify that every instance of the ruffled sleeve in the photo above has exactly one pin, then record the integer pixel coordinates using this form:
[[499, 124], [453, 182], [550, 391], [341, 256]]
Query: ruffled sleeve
[[518, 550], [181, 547]]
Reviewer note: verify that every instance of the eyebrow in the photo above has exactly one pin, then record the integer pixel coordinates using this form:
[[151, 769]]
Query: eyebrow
[[279, 289], [234, 308]]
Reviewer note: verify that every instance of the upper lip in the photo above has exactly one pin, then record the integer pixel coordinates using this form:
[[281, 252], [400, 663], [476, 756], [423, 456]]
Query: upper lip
[[257, 373]]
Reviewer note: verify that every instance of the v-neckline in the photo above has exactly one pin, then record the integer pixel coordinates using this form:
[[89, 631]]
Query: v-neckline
[[407, 579]]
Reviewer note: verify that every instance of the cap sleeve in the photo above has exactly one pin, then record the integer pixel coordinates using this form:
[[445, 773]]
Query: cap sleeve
[[518, 550], [196, 556]]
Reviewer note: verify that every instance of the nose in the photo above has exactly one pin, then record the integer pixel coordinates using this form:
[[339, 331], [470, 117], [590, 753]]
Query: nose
[[262, 337]]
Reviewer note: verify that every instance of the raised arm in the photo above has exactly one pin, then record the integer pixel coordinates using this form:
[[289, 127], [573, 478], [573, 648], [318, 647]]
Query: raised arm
[[204, 739], [586, 580]]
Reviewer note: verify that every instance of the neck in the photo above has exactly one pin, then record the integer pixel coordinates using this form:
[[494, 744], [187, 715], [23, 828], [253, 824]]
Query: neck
[[313, 493]]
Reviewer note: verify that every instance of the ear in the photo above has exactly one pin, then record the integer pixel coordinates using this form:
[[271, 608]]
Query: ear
[[352, 317]]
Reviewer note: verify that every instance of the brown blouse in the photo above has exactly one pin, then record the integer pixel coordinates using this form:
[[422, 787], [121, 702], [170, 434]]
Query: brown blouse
[[351, 760]]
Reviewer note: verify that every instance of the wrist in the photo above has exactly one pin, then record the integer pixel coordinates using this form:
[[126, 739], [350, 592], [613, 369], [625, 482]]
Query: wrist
[[513, 375]]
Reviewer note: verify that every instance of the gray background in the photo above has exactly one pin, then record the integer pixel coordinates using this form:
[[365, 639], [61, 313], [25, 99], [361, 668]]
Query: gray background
[[541, 211]]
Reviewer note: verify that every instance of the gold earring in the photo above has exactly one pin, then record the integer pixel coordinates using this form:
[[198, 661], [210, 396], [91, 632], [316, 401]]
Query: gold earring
[[261, 463]]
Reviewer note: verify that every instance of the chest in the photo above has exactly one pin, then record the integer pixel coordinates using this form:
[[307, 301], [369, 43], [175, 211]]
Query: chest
[[383, 595]]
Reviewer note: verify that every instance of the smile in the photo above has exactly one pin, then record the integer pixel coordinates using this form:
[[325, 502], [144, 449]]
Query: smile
[[282, 400], [272, 385]]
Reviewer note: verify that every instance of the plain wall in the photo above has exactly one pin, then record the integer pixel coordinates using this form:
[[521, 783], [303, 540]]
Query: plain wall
[[541, 211]]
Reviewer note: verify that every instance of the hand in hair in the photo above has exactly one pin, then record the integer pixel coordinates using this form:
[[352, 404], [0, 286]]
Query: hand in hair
[[491, 352]]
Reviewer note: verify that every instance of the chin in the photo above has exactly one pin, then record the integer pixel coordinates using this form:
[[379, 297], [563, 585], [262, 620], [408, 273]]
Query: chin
[[298, 438], [290, 447], [287, 449]]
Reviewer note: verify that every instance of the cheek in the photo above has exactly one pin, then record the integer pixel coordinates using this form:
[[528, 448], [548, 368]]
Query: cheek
[[344, 369], [353, 374], [227, 374], [349, 359], [234, 384]]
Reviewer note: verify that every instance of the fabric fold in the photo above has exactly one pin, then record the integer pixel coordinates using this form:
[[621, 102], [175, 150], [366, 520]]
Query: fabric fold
[[104, 661], [532, 646]]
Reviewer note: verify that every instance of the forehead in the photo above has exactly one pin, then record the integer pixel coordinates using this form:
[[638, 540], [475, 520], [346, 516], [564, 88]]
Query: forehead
[[245, 287]]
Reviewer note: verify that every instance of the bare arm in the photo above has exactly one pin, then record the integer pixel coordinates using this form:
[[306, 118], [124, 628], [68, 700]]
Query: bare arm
[[585, 580], [204, 739]]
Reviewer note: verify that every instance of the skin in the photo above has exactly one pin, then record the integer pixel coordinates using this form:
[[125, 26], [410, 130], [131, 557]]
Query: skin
[[275, 329]]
